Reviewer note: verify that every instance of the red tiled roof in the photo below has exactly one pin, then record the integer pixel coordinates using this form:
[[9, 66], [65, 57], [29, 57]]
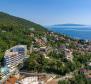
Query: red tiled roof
[[11, 80], [52, 82]]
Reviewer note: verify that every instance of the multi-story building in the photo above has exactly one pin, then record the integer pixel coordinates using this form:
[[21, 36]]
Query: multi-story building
[[15, 55], [12, 58]]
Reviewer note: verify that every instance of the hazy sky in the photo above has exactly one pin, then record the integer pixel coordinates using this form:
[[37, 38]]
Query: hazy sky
[[48, 12]]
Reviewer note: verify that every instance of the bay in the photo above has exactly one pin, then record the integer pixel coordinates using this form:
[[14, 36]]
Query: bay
[[78, 32]]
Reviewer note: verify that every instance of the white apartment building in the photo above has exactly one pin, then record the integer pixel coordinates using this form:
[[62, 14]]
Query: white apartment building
[[15, 55]]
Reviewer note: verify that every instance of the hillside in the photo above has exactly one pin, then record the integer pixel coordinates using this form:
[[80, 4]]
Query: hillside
[[9, 20], [15, 30], [48, 51]]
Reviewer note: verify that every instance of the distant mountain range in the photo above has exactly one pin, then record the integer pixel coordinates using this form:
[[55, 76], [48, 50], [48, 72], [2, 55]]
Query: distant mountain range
[[68, 25]]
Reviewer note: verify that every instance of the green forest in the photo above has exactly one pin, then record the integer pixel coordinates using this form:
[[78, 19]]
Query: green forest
[[15, 30]]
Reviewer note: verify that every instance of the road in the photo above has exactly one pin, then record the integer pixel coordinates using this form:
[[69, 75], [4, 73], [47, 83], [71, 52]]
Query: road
[[53, 76], [67, 76], [31, 74]]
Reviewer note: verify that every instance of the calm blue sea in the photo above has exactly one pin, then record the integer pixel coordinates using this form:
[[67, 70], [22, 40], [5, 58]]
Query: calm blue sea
[[79, 32]]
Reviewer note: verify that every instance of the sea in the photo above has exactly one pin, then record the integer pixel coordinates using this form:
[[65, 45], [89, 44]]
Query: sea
[[76, 32]]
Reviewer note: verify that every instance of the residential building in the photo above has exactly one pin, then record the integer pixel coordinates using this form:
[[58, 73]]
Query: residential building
[[13, 58], [11, 80], [68, 54], [15, 55], [31, 80]]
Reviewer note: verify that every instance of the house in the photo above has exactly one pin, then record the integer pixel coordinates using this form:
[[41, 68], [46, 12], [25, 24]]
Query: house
[[31, 80], [40, 42], [68, 54], [82, 70], [11, 80]]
